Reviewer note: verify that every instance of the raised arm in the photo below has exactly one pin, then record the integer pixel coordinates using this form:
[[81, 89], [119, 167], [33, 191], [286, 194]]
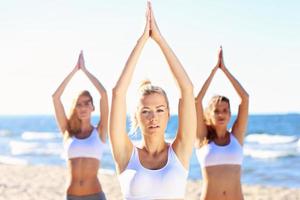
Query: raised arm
[[201, 126], [240, 125], [121, 145], [185, 137], [103, 123], [60, 114]]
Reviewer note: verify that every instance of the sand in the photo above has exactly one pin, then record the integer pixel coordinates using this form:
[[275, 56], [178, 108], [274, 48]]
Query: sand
[[19, 182]]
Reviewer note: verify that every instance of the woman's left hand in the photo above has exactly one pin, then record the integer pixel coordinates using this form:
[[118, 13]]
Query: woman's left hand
[[154, 30], [81, 62], [221, 63]]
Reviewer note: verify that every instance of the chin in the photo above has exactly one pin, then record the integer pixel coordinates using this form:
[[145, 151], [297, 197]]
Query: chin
[[84, 117], [153, 131]]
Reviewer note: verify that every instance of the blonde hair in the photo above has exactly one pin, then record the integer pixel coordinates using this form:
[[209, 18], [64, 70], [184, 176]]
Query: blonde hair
[[74, 123], [211, 132], [145, 89]]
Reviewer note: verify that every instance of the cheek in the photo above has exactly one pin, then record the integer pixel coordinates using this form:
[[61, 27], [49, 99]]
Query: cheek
[[229, 116], [140, 119], [77, 110], [165, 120]]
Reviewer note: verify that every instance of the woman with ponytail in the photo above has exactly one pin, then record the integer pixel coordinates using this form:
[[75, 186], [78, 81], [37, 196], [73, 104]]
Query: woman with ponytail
[[154, 169]]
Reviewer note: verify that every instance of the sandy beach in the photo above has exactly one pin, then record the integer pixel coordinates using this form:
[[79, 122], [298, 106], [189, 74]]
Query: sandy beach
[[48, 183]]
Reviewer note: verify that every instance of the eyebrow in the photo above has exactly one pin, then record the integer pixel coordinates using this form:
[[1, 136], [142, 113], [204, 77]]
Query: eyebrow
[[86, 101], [156, 107]]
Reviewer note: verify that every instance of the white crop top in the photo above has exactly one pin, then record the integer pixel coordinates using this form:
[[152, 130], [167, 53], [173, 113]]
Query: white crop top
[[212, 154], [90, 147], [140, 183]]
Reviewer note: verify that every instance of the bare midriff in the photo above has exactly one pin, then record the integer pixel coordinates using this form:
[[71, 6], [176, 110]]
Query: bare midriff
[[221, 182], [83, 178]]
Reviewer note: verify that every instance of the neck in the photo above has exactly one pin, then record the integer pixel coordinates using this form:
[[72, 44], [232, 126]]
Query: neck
[[221, 132], [153, 143], [85, 125]]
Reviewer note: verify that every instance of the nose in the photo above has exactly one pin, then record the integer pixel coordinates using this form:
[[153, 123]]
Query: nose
[[152, 116]]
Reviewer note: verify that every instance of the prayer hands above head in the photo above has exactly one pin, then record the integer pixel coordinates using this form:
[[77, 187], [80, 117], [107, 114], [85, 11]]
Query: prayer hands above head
[[154, 30], [221, 63], [146, 33], [80, 63]]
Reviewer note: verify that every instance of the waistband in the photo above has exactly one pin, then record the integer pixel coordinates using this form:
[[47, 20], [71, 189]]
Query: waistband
[[97, 196]]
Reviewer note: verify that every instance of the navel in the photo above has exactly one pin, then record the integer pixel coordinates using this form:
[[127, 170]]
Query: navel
[[81, 182]]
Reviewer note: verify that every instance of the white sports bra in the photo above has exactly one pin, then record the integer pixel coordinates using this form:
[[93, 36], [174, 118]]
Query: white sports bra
[[140, 183], [212, 154], [90, 147]]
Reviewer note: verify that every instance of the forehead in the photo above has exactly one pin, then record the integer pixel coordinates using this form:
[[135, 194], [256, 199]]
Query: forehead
[[83, 98], [221, 105], [153, 100]]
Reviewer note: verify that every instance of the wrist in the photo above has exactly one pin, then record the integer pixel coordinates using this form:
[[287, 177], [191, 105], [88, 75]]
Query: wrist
[[142, 39], [159, 40]]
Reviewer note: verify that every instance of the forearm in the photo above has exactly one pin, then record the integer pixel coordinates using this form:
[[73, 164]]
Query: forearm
[[205, 86], [176, 68], [57, 94], [58, 106], [237, 86], [127, 73], [95, 82]]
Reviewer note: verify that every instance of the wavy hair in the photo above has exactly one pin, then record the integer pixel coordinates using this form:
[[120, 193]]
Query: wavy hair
[[211, 131], [74, 123]]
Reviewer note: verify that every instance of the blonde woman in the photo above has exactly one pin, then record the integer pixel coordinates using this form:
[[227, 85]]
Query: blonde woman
[[154, 169], [83, 142], [219, 151]]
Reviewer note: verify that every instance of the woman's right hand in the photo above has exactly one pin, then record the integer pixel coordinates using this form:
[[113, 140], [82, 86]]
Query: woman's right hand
[[146, 33], [78, 64], [155, 32], [221, 63]]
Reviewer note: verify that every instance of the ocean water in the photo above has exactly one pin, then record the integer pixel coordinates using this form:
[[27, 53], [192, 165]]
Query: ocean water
[[271, 150]]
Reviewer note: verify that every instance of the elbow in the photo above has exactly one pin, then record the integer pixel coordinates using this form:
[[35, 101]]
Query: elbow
[[246, 97], [188, 89], [103, 94], [117, 91], [55, 97]]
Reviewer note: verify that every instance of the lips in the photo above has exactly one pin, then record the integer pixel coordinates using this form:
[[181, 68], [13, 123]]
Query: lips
[[153, 126], [221, 120]]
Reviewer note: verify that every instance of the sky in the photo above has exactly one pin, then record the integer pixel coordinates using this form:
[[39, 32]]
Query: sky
[[40, 42]]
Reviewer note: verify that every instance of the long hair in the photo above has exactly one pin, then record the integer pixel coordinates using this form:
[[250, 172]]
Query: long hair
[[145, 89], [211, 131], [74, 123]]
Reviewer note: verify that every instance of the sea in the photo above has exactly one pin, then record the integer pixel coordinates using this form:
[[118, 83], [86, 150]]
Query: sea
[[271, 149]]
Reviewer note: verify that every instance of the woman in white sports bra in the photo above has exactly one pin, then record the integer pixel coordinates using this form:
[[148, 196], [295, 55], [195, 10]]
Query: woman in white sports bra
[[154, 169], [83, 143], [219, 151]]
